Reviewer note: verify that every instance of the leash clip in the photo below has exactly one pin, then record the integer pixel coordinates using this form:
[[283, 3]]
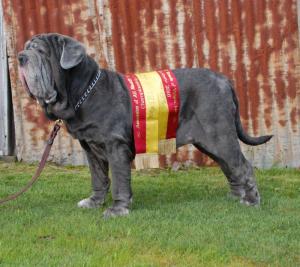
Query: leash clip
[[59, 122], [57, 125]]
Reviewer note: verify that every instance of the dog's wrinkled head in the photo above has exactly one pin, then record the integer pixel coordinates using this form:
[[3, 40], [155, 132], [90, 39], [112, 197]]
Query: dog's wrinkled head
[[43, 62]]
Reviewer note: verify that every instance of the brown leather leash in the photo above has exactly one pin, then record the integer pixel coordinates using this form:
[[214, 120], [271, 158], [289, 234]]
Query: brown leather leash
[[41, 166]]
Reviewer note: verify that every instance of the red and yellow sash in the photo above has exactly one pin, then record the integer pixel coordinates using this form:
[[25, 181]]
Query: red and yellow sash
[[155, 107]]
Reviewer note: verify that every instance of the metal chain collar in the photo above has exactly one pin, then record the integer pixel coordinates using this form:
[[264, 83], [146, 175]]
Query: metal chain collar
[[87, 91]]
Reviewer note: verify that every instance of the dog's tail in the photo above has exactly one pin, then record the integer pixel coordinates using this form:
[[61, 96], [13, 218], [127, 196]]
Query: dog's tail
[[243, 136]]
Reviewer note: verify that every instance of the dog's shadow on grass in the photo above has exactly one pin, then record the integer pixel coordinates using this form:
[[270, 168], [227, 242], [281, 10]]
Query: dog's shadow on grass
[[152, 193]]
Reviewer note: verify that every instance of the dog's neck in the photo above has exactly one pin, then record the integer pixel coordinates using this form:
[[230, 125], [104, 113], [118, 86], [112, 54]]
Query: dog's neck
[[83, 76]]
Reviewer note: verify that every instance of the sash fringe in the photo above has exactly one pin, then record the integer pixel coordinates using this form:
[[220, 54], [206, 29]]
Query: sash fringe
[[167, 146], [146, 161]]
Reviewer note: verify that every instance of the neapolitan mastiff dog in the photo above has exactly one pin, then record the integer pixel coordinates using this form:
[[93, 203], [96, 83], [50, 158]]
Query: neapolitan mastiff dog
[[57, 71]]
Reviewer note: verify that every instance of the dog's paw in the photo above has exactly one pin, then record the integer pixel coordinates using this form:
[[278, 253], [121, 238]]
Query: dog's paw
[[115, 212], [248, 203], [89, 203], [251, 198]]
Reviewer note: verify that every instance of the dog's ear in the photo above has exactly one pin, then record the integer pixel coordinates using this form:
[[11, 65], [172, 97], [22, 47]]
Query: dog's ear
[[72, 54]]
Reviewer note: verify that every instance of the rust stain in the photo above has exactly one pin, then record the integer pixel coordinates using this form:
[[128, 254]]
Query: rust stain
[[294, 116], [253, 42], [151, 36], [34, 114], [163, 161], [128, 31], [102, 41], [116, 34], [172, 158], [264, 55], [280, 93], [198, 157], [19, 11], [252, 84], [148, 6], [198, 31], [129, 38], [174, 28], [6, 4], [182, 154], [225, 29], [134, 38], [141, 53], [239, 73], [46, 16], [152, 52], [292, 44], [210, 26], [161, 39], [201, 159], [188, 30]]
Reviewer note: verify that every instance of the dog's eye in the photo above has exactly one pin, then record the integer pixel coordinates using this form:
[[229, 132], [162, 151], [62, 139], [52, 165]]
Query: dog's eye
[[41, 51]]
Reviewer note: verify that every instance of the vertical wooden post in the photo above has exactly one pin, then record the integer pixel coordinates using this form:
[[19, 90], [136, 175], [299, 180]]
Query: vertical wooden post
[[3, 90], [6, 117], [298, 14]]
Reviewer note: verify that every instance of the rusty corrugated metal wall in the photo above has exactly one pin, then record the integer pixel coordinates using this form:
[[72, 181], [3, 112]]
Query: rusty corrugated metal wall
[[254, 42]]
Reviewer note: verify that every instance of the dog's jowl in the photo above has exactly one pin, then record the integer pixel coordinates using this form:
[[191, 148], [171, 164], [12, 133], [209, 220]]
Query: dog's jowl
[[95, 105]]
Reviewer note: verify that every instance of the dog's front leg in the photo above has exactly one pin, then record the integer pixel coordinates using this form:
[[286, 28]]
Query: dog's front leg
[[120, 157], [98, 165]]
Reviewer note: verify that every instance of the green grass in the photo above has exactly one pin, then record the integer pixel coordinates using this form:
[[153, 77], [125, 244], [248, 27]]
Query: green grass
[[179, 218]]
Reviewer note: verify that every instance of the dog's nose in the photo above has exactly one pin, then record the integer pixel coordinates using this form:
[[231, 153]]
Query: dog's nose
[[22, 59]]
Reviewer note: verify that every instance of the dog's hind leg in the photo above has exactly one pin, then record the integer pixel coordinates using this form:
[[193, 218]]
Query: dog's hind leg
[[99, 175], [239, 172]]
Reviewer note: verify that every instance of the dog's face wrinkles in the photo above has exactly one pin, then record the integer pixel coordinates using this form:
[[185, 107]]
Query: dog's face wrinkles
[[36, 72], [42, 64]]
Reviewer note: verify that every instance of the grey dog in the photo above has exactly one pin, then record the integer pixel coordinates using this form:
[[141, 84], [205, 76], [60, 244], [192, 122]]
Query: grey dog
[[58, 73]]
